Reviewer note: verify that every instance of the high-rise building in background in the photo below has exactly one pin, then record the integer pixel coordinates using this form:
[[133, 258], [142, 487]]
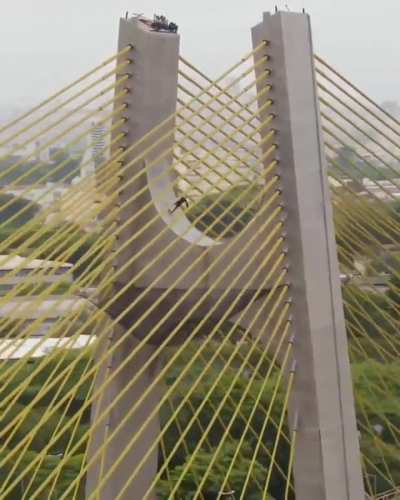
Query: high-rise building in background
[[97, 150], [42, 154], [98, 136]]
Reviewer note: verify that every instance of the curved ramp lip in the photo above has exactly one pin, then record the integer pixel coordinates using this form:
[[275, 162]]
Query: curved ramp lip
[[160, 183]]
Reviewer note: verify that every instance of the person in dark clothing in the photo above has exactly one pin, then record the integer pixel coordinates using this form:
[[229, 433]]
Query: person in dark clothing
[[179, 203]]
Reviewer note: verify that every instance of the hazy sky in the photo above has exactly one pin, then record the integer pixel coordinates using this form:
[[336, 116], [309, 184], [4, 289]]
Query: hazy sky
[[44, 44]]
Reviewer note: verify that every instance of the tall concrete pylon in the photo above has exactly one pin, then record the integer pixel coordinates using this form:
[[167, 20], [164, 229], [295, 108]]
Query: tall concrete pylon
[[327, 460], [152, 99], [327, 463]]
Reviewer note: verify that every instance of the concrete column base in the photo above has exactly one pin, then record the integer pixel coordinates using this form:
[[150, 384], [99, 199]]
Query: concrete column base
[[140, 485]]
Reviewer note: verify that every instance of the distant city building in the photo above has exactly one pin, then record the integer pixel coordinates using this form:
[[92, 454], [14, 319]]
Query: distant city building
[[98, 136], [38, 347], [43, 194], [96, 152], [374, 154], [384, 190], [19, 151], [15, 269], [42, 154]]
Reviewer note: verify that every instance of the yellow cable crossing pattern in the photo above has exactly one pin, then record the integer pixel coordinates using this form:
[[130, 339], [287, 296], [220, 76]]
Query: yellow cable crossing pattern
[[213, 404], [221, 163], [362, 143]]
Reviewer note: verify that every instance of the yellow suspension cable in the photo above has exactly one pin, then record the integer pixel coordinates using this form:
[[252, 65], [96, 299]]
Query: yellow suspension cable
[[379, 443], [362, 230], [115, 112], [225, 134], [223, 161], [171, 117], [69, 176], [384, 389], [346, 232], [370, 138], [244, 395], [184, 443], [378, 411], [375, 324], [60, 121], [359, 310], [44, 295], [65, 103], [386, 316], [278, 436], [122, 52], [36, 236], [40, 319], [198, 379], [270, 407], [234, 113], [379, 472], [165, 122], [115, 347], [133, 352], [359, 115], [259, 350], [250, 417], [352, 236], [357, 331], [222, 403], [213, 169], [359, 143], [32, 225], [208, 80], [352, 86], [333, 162], [62, 416], [291, 456]]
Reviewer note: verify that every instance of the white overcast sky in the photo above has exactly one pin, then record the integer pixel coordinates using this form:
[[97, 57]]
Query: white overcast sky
[[44, 44]]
